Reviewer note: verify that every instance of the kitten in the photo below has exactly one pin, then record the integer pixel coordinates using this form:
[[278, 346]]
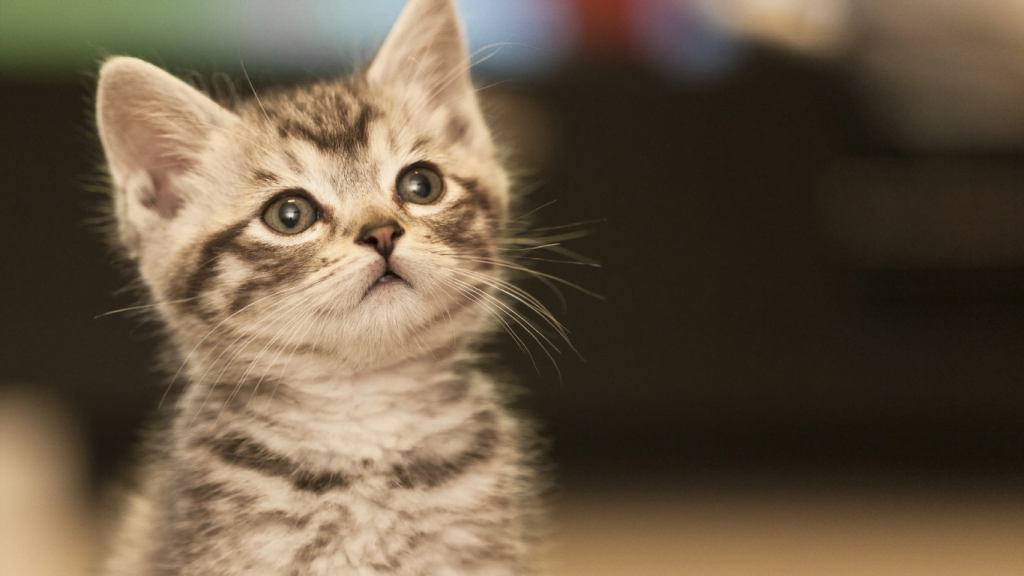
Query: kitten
[[324, 259]]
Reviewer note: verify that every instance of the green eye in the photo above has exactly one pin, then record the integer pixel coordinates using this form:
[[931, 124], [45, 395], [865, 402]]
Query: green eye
[[290, 215], [420, 185]]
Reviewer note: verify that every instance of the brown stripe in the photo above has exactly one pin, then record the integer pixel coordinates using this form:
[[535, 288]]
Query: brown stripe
[[264, 177], [325, 535], [244, 452], [454, 228], [418, 145], [279, 517], [203, 269], [481, 196], [432, 471], [293, 161], [330, 133], [358, 136], [273, 267]]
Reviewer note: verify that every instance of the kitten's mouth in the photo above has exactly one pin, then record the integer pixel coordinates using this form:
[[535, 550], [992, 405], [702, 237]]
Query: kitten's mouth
[[389, 276], [387, 279]]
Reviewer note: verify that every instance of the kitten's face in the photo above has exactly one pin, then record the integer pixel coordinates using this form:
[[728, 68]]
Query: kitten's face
[[360, 217]]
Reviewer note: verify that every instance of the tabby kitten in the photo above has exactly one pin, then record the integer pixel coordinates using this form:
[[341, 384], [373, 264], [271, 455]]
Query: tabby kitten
[[324, 259]]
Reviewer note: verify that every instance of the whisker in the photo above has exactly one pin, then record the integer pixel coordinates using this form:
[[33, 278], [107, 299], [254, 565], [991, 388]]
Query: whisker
[[295, 346], [528, 326], [546, 239], [570, 262], [558, 249], [497, 316], [284, 368], [252, 363], [532, 212], [541, 247], [208, 334], [529, 301], [537, 273], [465, 67], [143, 307], [519, 294], [253, 88], [241, 349], [522, 320], [563, 226], [294, 290], [447, 311]]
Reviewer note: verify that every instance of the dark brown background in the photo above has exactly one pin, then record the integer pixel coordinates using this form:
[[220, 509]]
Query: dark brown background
[[740, 340]]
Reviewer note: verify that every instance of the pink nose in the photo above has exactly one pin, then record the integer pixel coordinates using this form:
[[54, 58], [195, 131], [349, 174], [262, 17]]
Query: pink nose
[[381, 238]]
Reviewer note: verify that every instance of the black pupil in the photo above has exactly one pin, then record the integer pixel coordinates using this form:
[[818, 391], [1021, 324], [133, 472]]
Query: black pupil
[[418, 184], [290, 214]]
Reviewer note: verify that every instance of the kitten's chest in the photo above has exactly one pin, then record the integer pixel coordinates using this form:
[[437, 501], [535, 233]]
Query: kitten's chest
[[368, 477], [379, 520], [363, 527]]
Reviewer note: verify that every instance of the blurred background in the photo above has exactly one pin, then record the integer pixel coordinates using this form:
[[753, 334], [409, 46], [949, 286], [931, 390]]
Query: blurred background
[[810, 355]]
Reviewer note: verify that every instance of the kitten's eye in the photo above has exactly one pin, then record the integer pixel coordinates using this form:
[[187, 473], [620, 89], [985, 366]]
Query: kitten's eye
[[420, 185], [290, 215]]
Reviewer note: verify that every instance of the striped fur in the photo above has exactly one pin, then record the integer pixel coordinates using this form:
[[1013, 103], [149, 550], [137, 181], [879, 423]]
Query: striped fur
[[329, 424]]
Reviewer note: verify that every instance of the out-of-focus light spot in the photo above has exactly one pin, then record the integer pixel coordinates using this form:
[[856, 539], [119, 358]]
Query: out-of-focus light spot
[[943, 74], [815, 27], [605, 26], [679, 40], [521, 37], [506, 37]]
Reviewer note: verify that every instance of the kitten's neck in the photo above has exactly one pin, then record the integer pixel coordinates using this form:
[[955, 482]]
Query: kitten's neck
[[225, 389]]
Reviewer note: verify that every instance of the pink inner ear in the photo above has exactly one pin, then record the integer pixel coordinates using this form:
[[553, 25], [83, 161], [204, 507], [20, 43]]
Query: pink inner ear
[[456, 128], [160, 197], [154, 151]]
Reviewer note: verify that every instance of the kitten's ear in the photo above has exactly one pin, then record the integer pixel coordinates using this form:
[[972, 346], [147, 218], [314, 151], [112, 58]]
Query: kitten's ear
[[152, 126], [426, 48]]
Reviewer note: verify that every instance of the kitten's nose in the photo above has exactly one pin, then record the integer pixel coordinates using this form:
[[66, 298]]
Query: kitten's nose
[[381, 238]]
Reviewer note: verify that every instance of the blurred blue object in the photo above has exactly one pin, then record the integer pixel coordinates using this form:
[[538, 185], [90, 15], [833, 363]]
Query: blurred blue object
[[682, 42], [506, 37], [520, 37]]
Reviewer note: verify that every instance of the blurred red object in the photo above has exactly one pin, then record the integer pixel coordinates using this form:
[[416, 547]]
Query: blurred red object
[[606, 25]]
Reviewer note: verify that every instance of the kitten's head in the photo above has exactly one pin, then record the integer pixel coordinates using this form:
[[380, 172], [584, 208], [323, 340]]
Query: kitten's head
[[359, 216]]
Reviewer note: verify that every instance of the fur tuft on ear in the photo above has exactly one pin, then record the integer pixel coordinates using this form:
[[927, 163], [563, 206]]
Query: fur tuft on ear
[[426, 51], [152, 126]]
